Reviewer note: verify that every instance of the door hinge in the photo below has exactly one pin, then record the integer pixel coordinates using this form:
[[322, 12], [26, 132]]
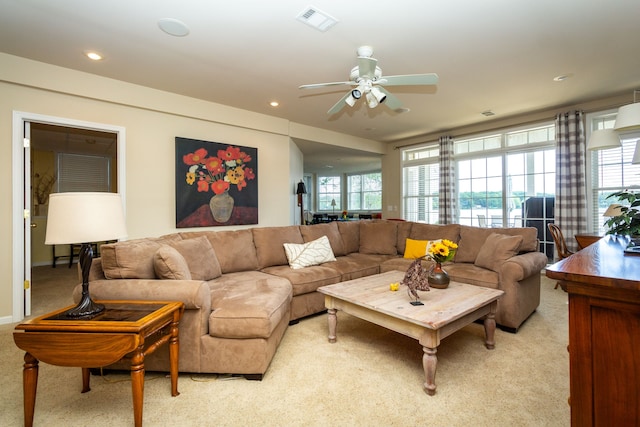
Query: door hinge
[[27, 284], [26, 142]]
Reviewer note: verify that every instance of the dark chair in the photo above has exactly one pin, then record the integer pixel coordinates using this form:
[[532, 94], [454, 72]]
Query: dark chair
[[561, 244]]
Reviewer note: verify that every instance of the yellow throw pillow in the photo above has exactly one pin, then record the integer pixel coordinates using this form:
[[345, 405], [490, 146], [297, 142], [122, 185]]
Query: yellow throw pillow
[[417, 248]]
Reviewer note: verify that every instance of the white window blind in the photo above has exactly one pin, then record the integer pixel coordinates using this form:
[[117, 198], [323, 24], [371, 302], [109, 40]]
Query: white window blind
[[79, 172]]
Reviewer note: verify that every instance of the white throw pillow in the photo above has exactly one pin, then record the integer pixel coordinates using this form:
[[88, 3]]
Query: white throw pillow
[[311, 253]]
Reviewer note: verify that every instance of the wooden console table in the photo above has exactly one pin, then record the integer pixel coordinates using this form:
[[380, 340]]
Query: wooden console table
[[603, 284], [132, 329]]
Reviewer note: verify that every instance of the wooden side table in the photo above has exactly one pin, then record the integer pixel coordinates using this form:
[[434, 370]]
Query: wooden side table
[[132, 329]]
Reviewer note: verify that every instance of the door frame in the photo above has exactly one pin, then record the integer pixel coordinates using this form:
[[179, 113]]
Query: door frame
[[20, 188]]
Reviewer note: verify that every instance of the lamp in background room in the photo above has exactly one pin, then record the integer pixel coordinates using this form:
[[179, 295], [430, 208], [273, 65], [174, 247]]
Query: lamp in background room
[[603, 139], [636, 155], [333, 205], [83, 218], [613, 210], [628, 117], [300, 191]]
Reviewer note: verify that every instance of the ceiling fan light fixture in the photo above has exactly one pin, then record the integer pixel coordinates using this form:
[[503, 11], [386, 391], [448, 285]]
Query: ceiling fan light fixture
[[377, 93], [356, 93], [350, 100], [371, 100]]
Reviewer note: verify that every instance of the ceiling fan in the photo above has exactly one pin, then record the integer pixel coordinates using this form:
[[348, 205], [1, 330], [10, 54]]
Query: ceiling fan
[[367, 79]]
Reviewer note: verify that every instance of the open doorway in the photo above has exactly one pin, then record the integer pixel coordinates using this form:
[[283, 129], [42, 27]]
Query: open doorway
[[46, 150]]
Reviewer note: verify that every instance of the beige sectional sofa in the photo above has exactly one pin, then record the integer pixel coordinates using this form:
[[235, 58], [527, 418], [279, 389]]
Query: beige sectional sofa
[[241, 294]]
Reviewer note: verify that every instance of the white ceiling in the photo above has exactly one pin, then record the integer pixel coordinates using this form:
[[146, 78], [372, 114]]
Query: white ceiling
[[498, 55]]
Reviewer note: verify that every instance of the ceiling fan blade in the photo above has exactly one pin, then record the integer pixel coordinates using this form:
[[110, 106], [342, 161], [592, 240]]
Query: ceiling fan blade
[[391, 100], [317, 85], [367, 67], [339, 105], [409, 80]]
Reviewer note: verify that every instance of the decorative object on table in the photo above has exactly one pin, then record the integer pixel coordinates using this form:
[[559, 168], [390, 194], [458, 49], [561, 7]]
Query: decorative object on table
[[603, 139], [440, 252], [333, 206], [344, 214], [394, 286], [415, 279], [85, 218], [216, 184], [624, 219], [300, 191]]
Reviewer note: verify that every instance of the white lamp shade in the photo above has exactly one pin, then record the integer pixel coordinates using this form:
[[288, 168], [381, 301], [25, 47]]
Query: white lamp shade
[[613, 210], [636, 154], [603, 139], [628, 117], [84, 218]]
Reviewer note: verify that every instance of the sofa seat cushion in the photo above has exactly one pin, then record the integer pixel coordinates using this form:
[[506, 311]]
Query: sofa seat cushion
[[472, 274], [354, 267], [305, 280], [249, 309]]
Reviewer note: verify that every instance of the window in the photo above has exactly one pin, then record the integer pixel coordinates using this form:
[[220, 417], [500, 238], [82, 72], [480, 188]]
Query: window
[[329, 193], [611, 169], [79, 172], [364, 192], [420, 184]]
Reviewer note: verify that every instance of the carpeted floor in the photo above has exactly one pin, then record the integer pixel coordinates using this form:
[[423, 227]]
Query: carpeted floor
[[370, 377]]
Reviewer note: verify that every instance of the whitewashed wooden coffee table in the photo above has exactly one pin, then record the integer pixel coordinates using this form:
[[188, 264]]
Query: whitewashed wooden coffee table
[[444, 312]]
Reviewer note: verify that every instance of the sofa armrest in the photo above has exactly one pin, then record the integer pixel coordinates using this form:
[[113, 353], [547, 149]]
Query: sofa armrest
[[194, 294], [521, 266]]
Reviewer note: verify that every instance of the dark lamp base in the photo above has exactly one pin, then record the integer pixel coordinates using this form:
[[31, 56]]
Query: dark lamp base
[[86, 307]]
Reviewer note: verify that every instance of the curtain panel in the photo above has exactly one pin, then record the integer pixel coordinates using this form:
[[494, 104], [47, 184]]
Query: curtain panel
[[570, 205], [447, 199]]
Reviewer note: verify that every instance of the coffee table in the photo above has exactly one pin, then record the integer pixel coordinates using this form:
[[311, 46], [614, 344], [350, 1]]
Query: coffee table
[[132, 329], [444, 312]]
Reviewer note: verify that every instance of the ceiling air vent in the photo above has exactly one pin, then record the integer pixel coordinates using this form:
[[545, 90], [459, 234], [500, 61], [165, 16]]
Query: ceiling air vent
[[317, 19]]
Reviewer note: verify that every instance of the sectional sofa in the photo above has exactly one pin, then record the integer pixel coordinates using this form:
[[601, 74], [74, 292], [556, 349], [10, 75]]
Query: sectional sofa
[[243, 288]]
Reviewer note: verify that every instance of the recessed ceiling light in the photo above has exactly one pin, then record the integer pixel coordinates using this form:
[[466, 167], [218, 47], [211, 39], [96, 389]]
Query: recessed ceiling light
[[488, 113], [94, 56], [173, 27], [274, 103], [562, 77]]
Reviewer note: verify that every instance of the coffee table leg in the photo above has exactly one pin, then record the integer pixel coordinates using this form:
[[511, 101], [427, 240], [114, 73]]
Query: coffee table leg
[[490, 328], [29, 386], [137, 385], [429, 362], [333, 321]]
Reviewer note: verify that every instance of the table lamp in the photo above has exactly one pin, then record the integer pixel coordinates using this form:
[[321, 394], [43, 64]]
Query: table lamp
[[83, 218], [613, 210]]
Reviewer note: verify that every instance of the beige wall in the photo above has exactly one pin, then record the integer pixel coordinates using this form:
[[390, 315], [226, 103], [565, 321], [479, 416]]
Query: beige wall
[[152, 119]]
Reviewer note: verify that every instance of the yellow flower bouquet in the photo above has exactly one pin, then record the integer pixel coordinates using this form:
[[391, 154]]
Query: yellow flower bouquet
[[442, 251]]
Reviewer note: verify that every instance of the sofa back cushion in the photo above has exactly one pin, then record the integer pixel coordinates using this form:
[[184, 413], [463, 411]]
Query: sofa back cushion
[[329, 229], [131, 259], [200, 258], [420, 231], [472, 239], [378, 237], [233, 248], [269, 242], [404, 231], [350, 234]]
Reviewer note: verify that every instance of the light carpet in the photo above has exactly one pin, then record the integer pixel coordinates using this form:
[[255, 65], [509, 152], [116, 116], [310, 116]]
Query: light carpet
[[370, 377]]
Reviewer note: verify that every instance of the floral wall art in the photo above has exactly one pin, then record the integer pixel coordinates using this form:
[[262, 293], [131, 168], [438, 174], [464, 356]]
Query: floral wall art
[[216, 184]]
